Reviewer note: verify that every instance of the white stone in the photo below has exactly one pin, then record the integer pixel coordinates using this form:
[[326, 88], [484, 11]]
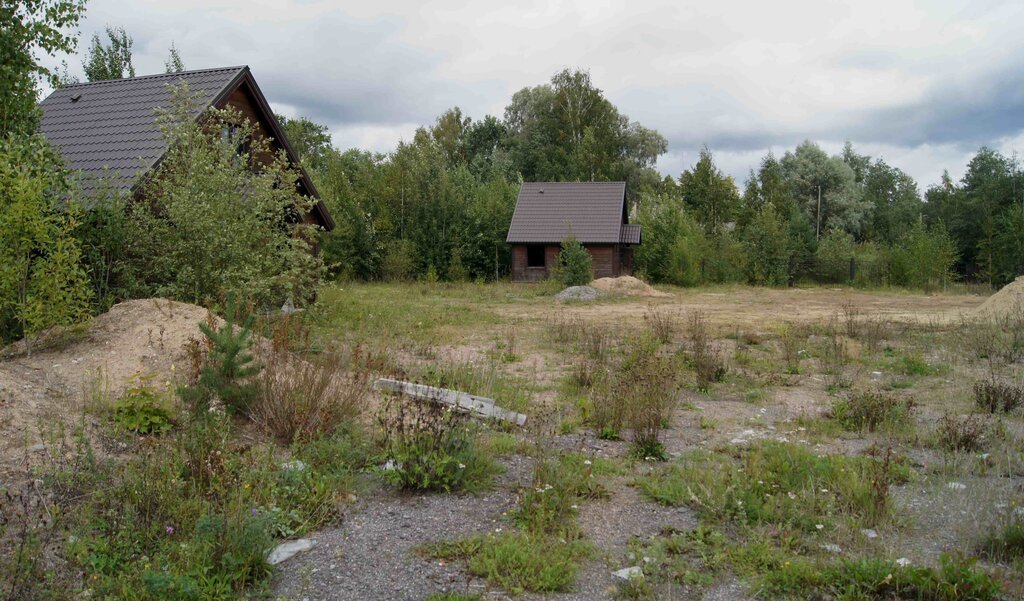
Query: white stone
[[627, 574], [286, 551], [956, 486], [832, 548], [876, 375], [296, 465], [903, 562], [869, 533]]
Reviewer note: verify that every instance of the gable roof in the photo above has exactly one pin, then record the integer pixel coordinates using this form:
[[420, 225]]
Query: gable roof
[[108, 133], [548, 212]]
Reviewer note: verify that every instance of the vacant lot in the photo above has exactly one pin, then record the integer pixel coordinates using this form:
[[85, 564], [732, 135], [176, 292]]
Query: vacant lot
[[723, 443], [817, 442]]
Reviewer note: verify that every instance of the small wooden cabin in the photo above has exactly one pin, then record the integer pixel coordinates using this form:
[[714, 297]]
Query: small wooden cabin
[[593, 212], [107, 132]]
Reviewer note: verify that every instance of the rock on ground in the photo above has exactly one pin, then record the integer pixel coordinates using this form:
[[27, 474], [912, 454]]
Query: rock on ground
[[585, 293]]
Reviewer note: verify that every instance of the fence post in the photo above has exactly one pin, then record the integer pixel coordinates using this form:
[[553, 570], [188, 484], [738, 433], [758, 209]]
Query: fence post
[[853, 269]]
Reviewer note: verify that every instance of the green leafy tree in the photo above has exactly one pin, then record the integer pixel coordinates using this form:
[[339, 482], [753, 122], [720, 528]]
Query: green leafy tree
[[924, 258], [215, 219], [832, 260], [825, 188], [674, 243], [1009, 245], [575, 265], [310, 141], [42, 283], [112, 60], [768, 249], [30, 30], [174, 64], [712, 195]]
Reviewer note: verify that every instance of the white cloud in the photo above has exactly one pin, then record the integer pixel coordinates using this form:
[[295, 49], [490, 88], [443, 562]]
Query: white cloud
[[921, 82]]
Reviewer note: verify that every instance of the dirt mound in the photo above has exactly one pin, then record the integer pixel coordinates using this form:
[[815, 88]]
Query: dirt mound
[[1008, 301], [629, 286], [135, 338]]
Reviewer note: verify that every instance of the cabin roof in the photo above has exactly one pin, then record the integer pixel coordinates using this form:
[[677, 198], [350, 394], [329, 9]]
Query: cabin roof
[[592, 212]]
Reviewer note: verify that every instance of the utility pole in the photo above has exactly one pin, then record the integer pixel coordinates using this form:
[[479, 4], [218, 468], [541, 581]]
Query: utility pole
[[817, 229]]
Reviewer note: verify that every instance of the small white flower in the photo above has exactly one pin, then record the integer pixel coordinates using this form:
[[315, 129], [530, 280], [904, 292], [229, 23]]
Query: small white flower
[[574, 506], [586, 462], [462, 466], [824, 491], [819, 526], [791, 495]]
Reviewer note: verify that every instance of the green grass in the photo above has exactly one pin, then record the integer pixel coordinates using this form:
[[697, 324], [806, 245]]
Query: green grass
[[486, 380], [873, 410]]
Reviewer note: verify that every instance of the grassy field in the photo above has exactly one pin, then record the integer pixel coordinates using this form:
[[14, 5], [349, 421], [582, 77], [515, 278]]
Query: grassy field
[[733, 442]]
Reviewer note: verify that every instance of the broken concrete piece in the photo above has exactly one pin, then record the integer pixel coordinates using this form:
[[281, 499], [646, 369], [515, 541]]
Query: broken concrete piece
[[627, 574], [286, 551]]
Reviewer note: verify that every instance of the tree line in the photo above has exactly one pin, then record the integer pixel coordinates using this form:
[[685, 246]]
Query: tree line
[[440, 204]]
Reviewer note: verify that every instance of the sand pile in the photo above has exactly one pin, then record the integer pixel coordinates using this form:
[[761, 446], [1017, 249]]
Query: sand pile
[[629, 286], [1008, 301]]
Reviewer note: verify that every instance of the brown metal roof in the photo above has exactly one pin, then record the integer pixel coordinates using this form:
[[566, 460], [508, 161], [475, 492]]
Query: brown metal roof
[[630, 234], [548, 212], [106, 131]]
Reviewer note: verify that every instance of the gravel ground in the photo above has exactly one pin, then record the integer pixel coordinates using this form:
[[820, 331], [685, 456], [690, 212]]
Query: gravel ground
[[372, 555]]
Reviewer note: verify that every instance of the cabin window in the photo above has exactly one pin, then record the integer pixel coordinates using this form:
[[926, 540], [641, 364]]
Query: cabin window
[[535, 256]]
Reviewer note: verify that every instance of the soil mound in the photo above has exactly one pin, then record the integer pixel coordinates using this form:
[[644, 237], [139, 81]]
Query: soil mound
[[629, 286], [582, 293], [1005, 303]]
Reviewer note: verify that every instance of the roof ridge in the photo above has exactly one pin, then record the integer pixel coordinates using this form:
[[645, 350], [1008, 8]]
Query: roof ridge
[[156, 75]]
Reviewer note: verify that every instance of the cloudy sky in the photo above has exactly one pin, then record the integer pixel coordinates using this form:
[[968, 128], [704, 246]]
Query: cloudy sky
[[921, 84]]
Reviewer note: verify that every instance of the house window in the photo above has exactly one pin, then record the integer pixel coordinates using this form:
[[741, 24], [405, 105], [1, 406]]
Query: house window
[[535, 256], [232, 133]]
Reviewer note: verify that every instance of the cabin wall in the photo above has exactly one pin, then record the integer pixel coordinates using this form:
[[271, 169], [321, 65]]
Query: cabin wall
[[609, 261]]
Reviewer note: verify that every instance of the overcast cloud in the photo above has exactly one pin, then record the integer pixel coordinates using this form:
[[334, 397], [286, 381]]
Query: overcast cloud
[[922, 84]]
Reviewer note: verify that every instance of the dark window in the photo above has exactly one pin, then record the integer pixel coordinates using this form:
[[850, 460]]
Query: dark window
[[535, 256]]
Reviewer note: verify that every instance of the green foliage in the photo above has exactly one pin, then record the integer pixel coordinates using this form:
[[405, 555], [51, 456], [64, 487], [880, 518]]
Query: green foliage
[[144, 409], [229, 367], [768, 249], [575, 265], [42, 283], [33, 30], [779, 484], [112, 60], [196, 236], [673, 243], [709, 193], [832, 259], [924, 258], [433, 448]]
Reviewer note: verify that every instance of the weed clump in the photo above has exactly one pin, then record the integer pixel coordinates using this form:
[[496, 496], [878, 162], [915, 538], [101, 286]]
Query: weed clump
[[144, 408], [705, 354], [430, 447], [997, 396], [966, 433], [873, 410]]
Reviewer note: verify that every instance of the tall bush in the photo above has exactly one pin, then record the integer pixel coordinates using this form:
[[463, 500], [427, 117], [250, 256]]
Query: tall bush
[[832, 260], [222, 213], [924, 258], [42, 283]]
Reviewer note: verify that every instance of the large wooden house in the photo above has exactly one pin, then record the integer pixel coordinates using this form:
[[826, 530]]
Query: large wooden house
[[593, 212], [107, 132]]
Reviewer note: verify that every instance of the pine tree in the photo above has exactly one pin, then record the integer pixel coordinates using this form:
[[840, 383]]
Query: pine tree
[[228, 368], [575, 267]]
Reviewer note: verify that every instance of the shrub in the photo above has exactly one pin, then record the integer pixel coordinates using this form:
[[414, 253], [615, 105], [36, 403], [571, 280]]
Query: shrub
[[834, 360], [791, 344], [924, 258], [302, 399], [575, 266], [662, 325], [143, 409], [1007, 542], [995, 396], [872, 410], [430, 447], [767, 247], [835, 250]]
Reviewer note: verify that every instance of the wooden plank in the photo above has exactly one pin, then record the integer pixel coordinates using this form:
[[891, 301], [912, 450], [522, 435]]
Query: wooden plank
[[476, 405]]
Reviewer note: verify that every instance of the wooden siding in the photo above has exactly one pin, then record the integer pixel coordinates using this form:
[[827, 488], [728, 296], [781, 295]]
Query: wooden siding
[[609, 260]]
